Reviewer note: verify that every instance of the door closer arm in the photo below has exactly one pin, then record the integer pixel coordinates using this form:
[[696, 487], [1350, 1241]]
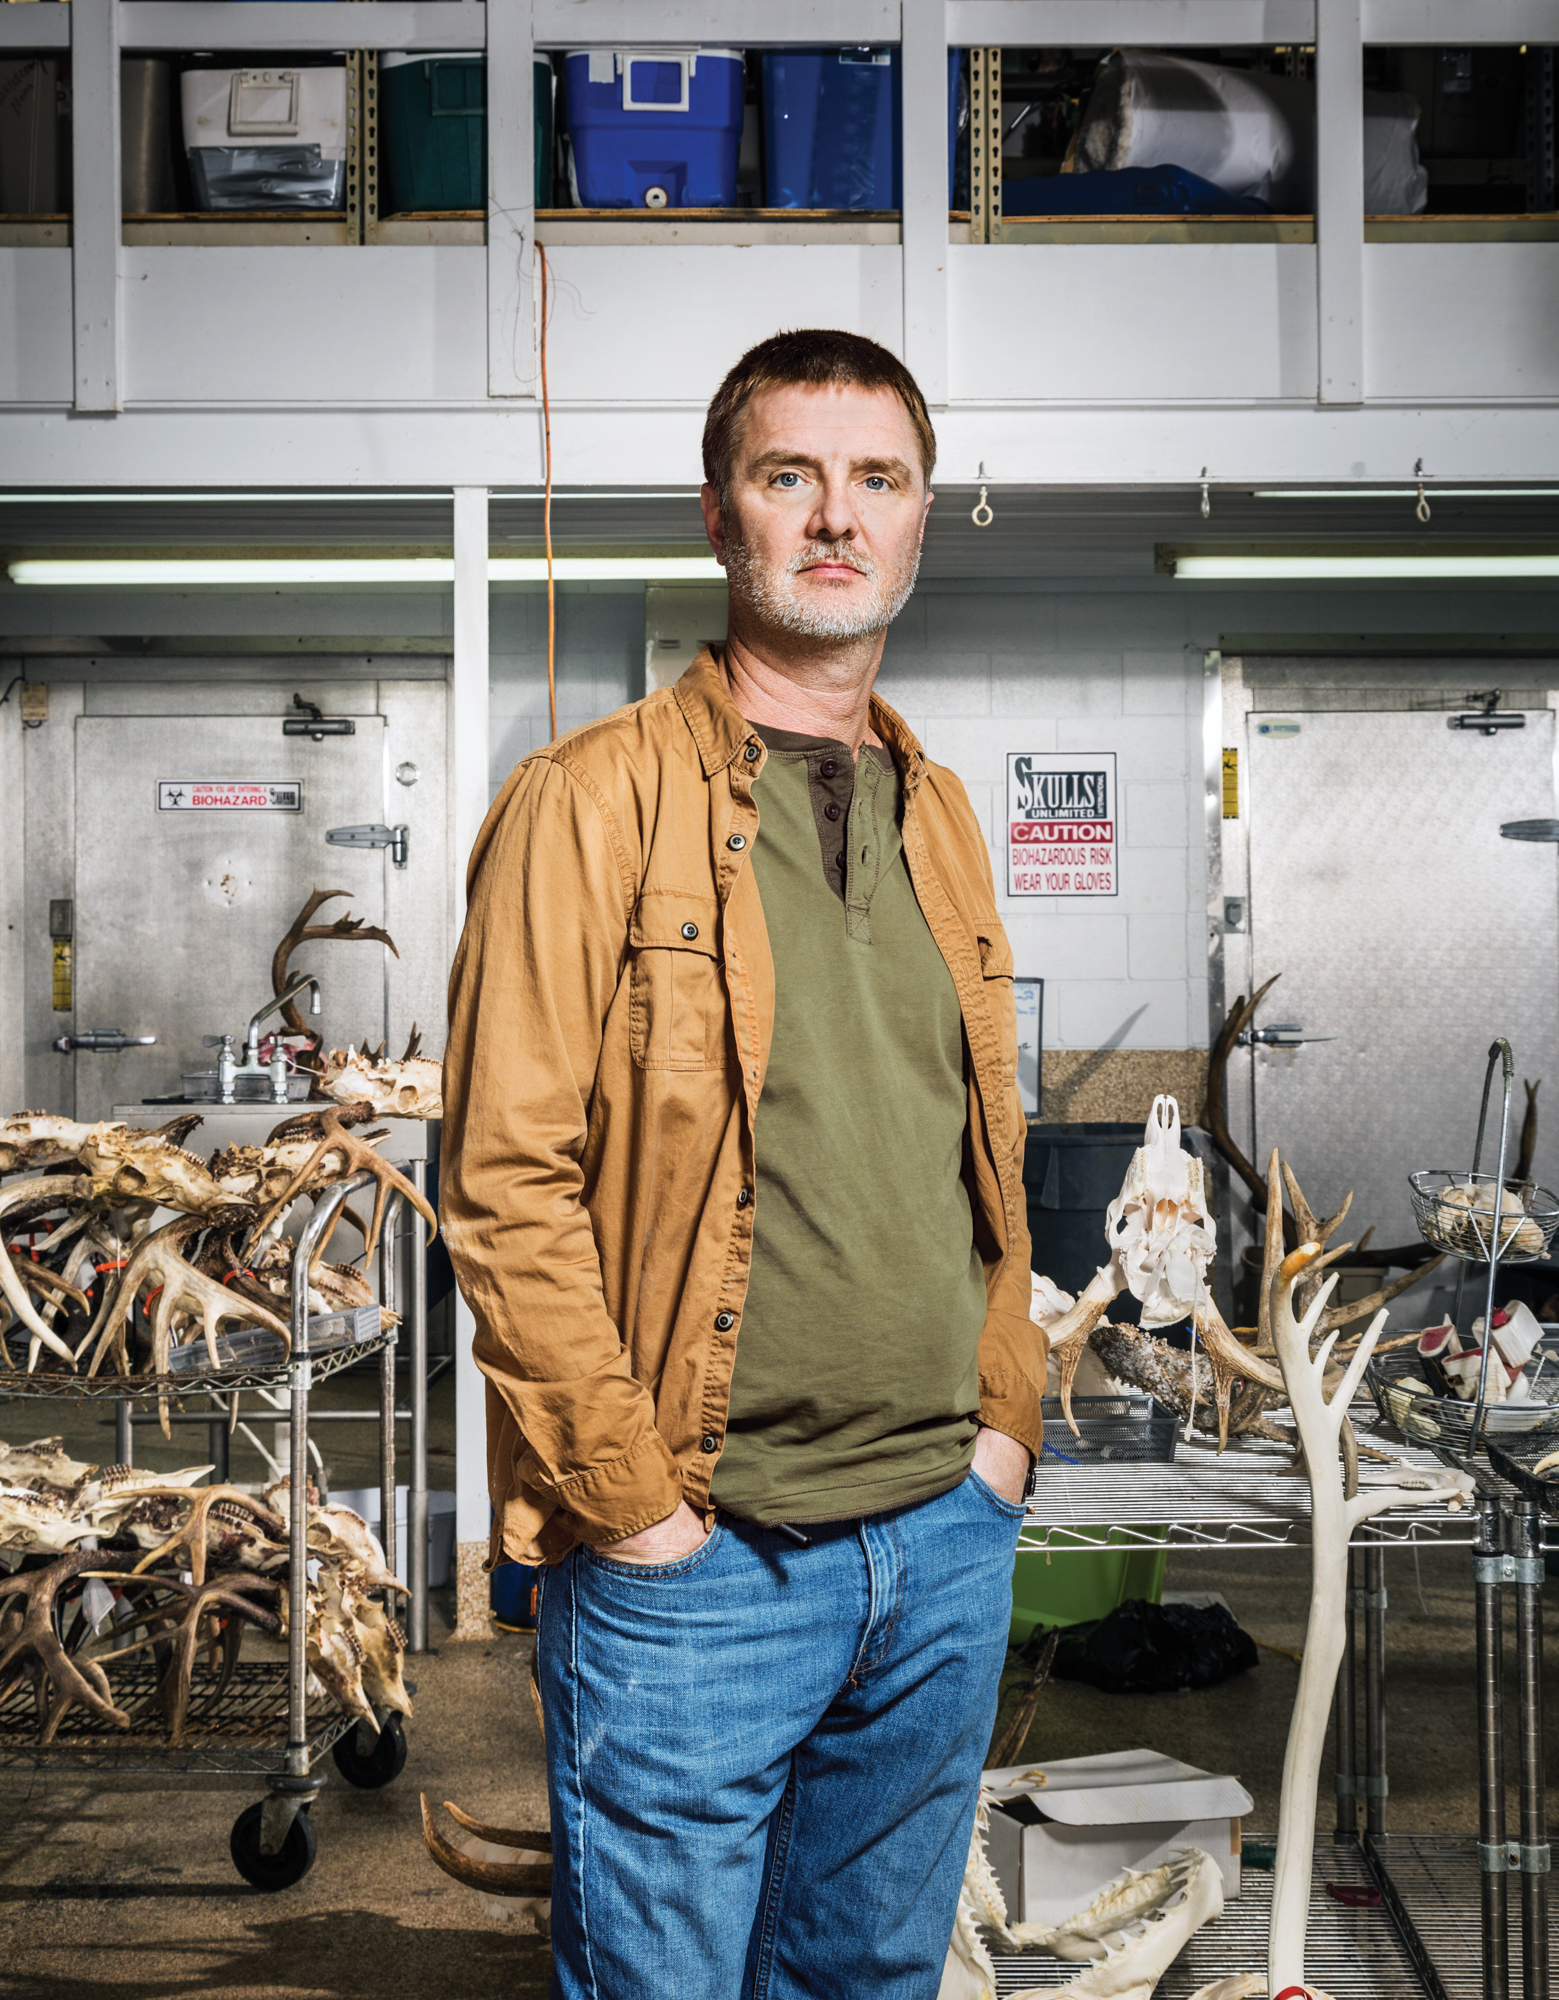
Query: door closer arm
[[1281, 1035], [396, 838]]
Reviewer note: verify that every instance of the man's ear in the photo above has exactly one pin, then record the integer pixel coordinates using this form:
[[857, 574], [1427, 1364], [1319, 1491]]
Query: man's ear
[[925, 513], [714, 520]]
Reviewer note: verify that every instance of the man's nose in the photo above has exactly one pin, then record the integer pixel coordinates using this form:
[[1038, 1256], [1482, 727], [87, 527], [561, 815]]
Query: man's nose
[[833, 518]]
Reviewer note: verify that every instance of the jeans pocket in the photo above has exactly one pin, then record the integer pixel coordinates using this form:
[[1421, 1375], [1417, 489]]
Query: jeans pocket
[[655, 1572], [1009, 1510]]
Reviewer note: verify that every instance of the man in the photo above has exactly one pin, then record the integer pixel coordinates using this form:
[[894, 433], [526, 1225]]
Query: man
[[732, 1183]]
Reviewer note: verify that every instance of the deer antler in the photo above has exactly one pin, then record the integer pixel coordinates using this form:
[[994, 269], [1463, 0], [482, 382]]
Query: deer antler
[[494, 1878], [192, 1536], [1319, 1420], [174, 1636], [355, 1155], [301, 931], [35, 1652], [1238, 1019], [53, 1191], [181, 1288]]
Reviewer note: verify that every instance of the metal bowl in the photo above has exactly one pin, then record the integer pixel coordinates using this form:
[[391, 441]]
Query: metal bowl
[[1455, 1212]]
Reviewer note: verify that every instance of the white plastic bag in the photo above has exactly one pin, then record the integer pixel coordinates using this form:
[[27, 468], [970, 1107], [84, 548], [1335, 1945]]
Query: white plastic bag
[[1248, 133]]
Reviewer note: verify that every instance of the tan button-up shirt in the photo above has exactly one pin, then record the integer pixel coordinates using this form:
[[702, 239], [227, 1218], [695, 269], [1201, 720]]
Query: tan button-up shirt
[[610, 1011]]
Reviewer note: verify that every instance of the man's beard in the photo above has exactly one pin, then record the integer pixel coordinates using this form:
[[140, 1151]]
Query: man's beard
[[766, 590]]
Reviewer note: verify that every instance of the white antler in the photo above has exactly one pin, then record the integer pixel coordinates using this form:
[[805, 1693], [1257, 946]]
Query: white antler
[[1333, 1518]]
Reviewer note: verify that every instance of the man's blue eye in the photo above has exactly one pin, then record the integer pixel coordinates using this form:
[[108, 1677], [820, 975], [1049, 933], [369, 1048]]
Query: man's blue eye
[[789, 475], [876, 482]]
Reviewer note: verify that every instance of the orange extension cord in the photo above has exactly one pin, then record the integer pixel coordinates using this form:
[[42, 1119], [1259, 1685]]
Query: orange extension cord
[[546, 511]]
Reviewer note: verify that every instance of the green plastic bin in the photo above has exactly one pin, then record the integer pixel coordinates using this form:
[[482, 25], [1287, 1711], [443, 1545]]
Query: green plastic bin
[[1066, 1587], [433, 131]]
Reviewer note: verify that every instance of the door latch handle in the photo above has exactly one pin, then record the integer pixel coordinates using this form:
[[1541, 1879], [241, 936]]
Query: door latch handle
[[396, 838], [100, 1042], [1281, 1035]]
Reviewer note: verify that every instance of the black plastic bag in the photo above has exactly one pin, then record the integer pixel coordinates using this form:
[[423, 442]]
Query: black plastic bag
[[1143, 1648]]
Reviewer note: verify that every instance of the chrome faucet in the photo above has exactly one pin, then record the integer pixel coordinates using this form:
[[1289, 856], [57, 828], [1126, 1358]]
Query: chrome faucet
[[252, 1065]]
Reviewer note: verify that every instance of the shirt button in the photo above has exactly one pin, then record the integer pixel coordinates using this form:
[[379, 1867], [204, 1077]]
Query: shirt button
[[709, 1442], [690, 930], [743, 1196], [830, 812], [725, 1321], [752, 753], [828, 768], [737, 840]]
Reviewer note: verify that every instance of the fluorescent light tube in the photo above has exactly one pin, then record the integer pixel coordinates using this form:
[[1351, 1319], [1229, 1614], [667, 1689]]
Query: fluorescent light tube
[[1406, 493], [181, 572], [1342, 568], [603, 569]]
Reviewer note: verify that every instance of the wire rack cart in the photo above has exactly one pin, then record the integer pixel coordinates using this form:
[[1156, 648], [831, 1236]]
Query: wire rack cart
[[262, 1723]]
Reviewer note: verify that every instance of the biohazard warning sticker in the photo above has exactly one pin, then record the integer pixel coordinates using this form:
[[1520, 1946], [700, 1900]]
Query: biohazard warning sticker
[[229, 795], [1062, 817]]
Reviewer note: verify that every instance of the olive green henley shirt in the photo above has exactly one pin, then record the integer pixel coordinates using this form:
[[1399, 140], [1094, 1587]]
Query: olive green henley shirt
[[856, 1385]]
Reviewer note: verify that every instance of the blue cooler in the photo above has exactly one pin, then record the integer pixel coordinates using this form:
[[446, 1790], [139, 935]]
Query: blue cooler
[[833, 128], [654, 128], [512, 1596]]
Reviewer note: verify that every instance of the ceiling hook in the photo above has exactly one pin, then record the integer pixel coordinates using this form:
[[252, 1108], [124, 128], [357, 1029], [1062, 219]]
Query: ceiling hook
[[980, 513], [1207, 498], [1422, 509]]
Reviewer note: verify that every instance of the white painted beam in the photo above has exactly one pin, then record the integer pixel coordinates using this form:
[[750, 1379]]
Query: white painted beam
[[738, 24], [511, 202], [924, 220], [303, 25], [656, 446], [1339, 199], [94, 62], [1230, 23], [468, 698], [34, 30]]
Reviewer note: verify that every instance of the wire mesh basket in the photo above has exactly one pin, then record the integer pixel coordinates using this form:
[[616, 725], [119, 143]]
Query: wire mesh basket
[[1116, 1430], [1517, 1459], [1455, 1212], [1406, 1401]]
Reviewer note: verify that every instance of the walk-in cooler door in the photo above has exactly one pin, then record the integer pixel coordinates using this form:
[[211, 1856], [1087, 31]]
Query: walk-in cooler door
[[198, 839]]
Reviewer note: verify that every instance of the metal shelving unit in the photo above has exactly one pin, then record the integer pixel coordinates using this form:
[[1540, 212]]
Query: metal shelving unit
[[1418, 1941]]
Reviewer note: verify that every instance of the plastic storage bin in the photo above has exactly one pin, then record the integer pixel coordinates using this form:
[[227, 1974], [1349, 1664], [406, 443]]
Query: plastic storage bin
[[1070, 1588], [368, 1501], [512, 1596], [833, 128], [1164, 190], [654, 128], [266, 138], [433, 131]]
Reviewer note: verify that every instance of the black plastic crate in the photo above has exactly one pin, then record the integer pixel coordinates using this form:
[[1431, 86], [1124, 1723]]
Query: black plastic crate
[[1114, 1430]]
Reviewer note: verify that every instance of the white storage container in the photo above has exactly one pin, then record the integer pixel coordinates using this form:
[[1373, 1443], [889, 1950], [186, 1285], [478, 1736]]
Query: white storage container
[[366, 1500], [266, 138], [1061, 1831]]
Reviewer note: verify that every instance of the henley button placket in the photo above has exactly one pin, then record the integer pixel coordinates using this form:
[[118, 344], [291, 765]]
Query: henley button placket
[[724, 1322], [709, 1442]]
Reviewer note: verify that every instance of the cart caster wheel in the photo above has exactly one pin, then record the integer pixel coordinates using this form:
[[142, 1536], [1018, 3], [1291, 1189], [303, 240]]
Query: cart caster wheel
[[273, 1871], [383, 1762]]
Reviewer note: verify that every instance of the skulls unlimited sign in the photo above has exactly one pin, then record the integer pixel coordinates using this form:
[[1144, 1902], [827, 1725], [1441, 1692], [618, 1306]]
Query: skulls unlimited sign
[[1061, 823]]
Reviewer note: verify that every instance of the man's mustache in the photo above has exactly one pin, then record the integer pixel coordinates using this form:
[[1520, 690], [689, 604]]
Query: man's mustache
[[816, 553]]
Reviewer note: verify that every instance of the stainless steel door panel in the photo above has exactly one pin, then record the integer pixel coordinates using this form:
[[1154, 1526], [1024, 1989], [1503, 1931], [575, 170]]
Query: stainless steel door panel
[[178, 913], [1403, 925]]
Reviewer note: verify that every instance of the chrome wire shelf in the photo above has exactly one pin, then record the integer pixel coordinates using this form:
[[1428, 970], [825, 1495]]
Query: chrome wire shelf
[[1436, 1878], [16, 1385], [244, 1729], [1245, 1499], [1352, 1954]]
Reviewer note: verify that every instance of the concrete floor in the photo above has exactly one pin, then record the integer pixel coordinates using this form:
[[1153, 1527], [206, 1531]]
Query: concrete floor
[[128, 1893]]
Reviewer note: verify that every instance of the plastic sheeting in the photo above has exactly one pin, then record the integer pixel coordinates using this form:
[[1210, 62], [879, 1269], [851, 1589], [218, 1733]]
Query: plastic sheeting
[[1249, 133], [267, 177]]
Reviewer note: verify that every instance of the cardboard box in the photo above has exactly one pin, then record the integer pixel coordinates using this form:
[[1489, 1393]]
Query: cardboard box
[[1061, 1831]]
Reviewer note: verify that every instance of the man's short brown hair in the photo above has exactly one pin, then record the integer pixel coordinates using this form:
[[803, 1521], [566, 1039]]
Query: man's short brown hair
[[809, 358]]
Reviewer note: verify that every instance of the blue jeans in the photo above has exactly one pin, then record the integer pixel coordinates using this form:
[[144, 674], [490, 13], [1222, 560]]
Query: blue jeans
[[763, 1759]]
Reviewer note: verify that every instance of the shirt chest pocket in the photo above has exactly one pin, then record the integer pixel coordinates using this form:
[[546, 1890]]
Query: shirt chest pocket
[[676, 994]]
